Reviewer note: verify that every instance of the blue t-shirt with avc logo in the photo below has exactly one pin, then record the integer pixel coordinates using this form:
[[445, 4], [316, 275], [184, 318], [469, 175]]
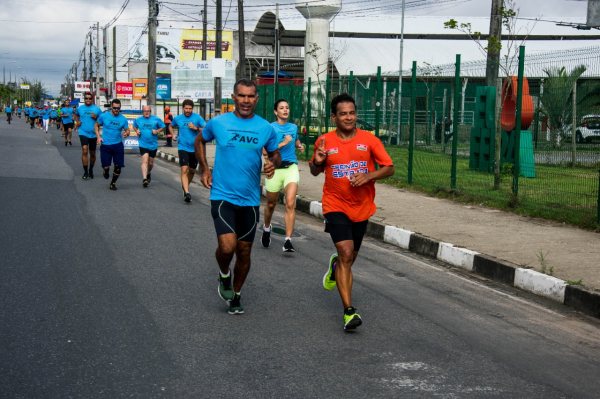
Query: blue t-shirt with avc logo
[[8, 110], [54, 114], [187, 136], [288, 152], [238, 157], [113, 126], [87, 122], [67, 115], [146, 126], [46, 114]]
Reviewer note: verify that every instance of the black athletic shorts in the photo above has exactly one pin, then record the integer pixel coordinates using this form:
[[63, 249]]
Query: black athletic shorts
[[230, 218], [91, 143], [187, 159], [341, 228], [68, 126], [152, 153]]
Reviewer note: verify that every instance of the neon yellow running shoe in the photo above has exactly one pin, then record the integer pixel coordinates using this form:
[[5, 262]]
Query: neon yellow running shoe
[[329, 278], [351, 319]]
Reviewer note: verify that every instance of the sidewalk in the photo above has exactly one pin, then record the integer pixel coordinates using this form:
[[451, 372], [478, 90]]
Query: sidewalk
[[425, 224]]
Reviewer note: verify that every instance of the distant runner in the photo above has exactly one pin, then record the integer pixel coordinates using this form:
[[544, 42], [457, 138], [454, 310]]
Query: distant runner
[[347, 156], [86, 116], [66, 114], [8, 111], [115, 128], [189, 124], [46, 118], [148, 127]]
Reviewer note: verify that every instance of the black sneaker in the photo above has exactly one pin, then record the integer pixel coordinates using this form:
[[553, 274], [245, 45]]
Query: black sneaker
[[145, 183], [265, 240], [70, 145], [66, 143], [91, 175], [149, 177], [113, 187], [187, 197], [235, 307], [225, 288], [85, 176], [287, 246], [106, 173]]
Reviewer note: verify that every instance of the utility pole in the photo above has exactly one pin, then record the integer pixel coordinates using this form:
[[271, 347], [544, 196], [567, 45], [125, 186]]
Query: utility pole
[[204, 45], [276, 75], [152, 22], [241, 39], [493, 56], [97, 61], [218, 54], [84, 61], [91, 59], [400, 71]]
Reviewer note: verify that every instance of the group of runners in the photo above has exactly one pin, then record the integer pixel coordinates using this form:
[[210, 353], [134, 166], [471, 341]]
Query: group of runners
[[347, 156]]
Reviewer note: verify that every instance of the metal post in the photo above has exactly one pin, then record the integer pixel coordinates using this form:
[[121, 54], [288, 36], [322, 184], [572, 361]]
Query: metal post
[[400, 73], [98, 62], [327, 105], [241, 39], [291, 100], [378, 102], [351, 85], [276, 74], [204, 40], [413, 103], [574, 126], [308, 115], [517, 170], [457, 93], [218, 54], [151, 96]]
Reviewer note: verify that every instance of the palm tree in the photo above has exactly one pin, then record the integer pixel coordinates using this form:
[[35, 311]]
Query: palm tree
[[556, 100]]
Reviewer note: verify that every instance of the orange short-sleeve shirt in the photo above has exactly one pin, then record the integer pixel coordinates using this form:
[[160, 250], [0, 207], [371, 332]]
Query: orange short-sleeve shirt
[[345, 158]]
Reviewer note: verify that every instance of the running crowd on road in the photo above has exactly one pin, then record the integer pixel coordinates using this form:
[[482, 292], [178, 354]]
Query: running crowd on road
[[351, 159]]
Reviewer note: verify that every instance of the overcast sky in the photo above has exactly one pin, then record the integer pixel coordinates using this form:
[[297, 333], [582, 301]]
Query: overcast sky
[[43, 38]]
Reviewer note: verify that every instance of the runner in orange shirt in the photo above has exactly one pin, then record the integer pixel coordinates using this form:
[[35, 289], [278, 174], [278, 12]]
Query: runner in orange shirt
[[347, 156]]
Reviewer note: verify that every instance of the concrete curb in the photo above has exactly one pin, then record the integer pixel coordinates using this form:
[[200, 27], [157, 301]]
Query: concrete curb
[[578, 297]]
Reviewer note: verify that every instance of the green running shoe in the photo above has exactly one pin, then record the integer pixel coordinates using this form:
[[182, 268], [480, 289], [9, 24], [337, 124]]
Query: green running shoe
[[329, 278], [225, 288], [235, 307], [351, 319]]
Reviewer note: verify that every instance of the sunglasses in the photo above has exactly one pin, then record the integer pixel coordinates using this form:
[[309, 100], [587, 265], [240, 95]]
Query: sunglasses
[[117, 108], [87, 98]]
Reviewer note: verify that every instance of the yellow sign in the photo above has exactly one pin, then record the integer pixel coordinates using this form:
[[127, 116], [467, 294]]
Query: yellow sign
[[140, 88], [191, 44]]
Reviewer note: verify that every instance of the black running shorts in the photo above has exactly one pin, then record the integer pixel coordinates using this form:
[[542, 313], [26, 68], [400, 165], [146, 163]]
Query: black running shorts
[[68, 126], [91, 143], [341, 228], [230, 218], [187, 159], [151, 153]]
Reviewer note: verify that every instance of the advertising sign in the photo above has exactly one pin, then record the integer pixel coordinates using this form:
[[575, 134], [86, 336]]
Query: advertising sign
[[195, 79], [140, 88], [131, 142], [78, 95], [124, 89], [177, 44], [82, 86], [24, 87], [163, 89]]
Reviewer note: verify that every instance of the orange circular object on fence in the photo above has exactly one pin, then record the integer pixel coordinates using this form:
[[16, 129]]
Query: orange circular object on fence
[[508, 117]]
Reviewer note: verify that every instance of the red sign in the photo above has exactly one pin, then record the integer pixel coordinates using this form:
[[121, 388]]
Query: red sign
[[124, 89], [197, 45]]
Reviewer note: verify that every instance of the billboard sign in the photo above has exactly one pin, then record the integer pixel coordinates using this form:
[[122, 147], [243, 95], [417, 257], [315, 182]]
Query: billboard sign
[[177, 44], [140, 88], [82, 86], [195, 79], [24, 87], [78, 95], [163, 89], [124, 89]]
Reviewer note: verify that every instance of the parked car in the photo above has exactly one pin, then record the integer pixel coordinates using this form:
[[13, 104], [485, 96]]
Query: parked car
[[587, 129]]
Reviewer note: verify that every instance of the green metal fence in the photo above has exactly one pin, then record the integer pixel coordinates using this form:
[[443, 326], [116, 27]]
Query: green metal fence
[[433, 149]]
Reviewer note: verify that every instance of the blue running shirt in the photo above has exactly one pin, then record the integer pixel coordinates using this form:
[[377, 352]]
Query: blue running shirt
[[8, 110], [46, 114], [67, 115], [288, 152], [238, 158], [53, 114], [113, 128], [146, 126], [87, 122], [187, 135]]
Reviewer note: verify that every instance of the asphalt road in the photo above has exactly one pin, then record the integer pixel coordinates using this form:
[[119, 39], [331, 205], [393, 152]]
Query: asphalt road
[[114, 294]]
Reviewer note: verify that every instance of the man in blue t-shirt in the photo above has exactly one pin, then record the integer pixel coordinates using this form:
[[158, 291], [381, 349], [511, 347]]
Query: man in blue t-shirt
[[235, 188], [67, 120], [8, 111], [114, 128], [26, 111], [19, 112], [148, 127], [189, 125], [85, 119], [33, 114]]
